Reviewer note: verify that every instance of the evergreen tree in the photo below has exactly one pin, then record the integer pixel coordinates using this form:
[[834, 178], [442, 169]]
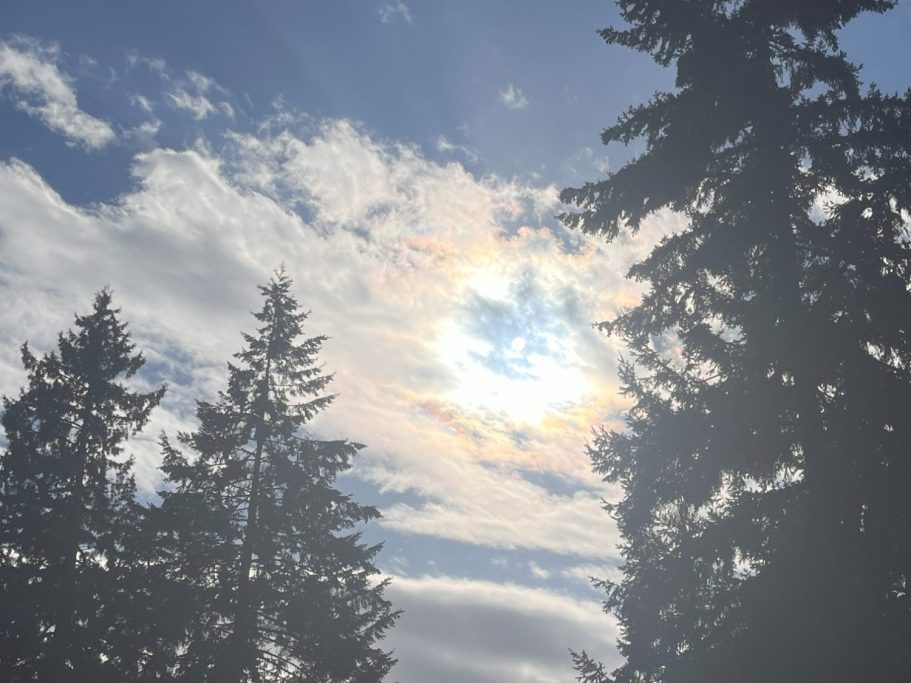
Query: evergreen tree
[[282, 588], [67, 507], [766, 520]]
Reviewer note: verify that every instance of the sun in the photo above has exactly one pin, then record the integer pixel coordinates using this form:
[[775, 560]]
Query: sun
[[510, 355]]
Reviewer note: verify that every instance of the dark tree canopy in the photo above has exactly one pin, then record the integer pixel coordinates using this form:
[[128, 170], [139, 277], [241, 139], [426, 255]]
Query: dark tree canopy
[[765, 467], [277, 584], [67, 509]]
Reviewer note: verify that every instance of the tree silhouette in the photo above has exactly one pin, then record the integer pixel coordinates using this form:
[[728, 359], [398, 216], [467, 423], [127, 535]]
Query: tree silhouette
[[67, 508], [765, 468], [281, 588]]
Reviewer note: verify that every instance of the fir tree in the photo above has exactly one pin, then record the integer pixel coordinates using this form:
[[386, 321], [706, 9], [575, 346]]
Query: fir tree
[[67, 507], [282, 587], [765, 468]]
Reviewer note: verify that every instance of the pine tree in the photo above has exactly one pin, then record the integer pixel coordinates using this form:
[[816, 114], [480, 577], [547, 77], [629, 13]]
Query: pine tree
[[67, 507], [766, 520], [282, 587]]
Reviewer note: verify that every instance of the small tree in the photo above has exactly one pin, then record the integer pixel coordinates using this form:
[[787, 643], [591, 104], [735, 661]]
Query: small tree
[[765, 468], [67, 507], [282, 588]]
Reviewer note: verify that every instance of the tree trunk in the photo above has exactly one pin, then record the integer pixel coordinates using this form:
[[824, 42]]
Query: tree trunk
[[65, 619], [237, 656]]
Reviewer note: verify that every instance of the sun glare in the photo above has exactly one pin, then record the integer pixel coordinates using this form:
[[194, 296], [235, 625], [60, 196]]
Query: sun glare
[[519, 377]]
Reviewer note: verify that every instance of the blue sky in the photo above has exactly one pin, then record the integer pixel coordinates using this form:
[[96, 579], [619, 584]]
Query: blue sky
[[403, 161], [438, 71]]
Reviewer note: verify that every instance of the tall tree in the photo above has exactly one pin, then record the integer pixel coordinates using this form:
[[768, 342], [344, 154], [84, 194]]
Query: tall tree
[[282, 587], [67, 506], [766, 520]]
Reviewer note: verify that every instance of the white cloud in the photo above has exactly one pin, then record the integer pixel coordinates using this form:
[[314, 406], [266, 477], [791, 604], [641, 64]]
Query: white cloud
[[538, 571], [513, 98], [156, 65], [465, 501], [456, 630], [32, 80], [193, 94], [394, 248], [446, 146], [389, 10], [143, 136], [584, 163], [141, 101], [198, 105]]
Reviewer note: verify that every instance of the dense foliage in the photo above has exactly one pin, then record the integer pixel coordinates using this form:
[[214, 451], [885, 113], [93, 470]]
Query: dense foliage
[[278, 587], [68, 588], [251, 569], [765, 516]]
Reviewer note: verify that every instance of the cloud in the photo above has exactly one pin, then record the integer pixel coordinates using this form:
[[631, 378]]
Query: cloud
[[157, 65], [393, 252], [446, 146], [32, 80], [456, 630], [539, 572], [494, 507], [389, 10], [143, 135], [584, 163], [141, 101], [192, 94], [513, 98]]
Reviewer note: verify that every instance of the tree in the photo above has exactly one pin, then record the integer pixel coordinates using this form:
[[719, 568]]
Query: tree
[[67, 507], [765, 514], [281, 587]]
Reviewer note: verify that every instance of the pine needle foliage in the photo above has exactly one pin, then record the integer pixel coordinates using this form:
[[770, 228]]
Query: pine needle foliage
[[765, 470], [278, 584], [67, 509]]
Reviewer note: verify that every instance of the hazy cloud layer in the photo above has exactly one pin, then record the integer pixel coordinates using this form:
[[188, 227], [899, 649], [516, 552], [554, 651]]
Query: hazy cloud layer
[[455, 630]]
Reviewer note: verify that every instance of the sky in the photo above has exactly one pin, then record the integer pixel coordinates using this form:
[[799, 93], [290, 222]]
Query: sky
[[403, 161]]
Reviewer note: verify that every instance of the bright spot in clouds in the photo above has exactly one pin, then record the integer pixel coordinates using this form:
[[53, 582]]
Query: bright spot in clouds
[[521, 379]]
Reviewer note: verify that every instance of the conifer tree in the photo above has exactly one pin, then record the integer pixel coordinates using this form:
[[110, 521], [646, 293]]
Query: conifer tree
[[67, 507], [766, 520], [282, 588]]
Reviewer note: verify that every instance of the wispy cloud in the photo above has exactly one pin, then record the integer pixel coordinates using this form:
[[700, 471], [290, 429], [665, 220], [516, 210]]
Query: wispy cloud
[[141, 101], [390, 10], [513, 98], [31, 78], [447, 146], [584, 163], [193, 93], [156, 65]]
